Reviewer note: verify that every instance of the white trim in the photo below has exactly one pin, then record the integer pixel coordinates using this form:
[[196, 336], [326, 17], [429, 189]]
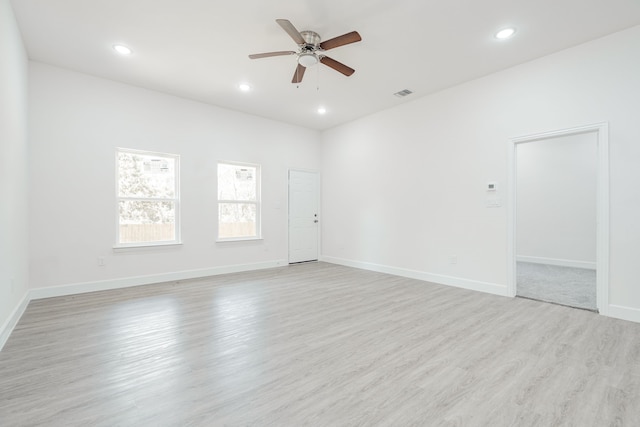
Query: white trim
[[458, 282], [146, 199], [588, 265], [126, 282], [12, 321], [239, 239], [602, 257], [135, 246], [596, 127], [624, 313], [511, 220], [602, 196], [235, 163]]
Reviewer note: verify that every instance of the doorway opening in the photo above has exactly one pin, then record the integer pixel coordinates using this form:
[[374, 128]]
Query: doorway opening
[[558, 217]]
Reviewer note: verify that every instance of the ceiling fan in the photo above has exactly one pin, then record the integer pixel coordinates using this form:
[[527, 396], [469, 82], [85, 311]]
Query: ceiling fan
[[311, 50]]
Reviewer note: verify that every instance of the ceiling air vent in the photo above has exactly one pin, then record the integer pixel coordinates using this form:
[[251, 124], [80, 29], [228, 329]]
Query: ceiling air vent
[[403, 93]]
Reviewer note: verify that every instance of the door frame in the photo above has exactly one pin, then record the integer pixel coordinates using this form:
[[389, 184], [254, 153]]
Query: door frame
[[319, 198], [602, 207]]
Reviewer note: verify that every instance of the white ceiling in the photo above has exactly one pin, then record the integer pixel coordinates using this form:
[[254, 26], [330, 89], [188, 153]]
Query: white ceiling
[[198, 49]]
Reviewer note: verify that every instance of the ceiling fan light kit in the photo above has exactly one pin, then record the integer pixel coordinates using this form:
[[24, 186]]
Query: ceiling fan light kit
[[307, 59], [311, 50]]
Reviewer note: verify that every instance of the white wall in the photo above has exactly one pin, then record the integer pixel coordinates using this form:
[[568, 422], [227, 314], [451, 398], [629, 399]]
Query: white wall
[[76, 123], [556, 200], [13, 170], [405, 188]]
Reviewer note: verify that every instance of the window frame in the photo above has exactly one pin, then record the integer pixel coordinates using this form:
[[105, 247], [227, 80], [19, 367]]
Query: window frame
[[257, 202], [176, 200]]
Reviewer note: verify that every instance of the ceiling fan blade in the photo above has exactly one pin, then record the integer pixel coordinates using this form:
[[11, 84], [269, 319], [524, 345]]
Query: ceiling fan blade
[[338, 66], [297, 76], [348, 38], [291, 30], [268, 54]]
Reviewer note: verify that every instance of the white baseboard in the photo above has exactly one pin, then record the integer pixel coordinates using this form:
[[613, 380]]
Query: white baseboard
[[556, 261], [616, 311], [127, 282], [474, 285], [624, 313], [12, 321]]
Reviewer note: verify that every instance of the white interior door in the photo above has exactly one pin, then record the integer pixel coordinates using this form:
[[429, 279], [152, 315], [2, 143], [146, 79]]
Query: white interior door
[[303, 216]]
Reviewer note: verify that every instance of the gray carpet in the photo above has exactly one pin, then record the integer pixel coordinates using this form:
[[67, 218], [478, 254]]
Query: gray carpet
[[575, 287]]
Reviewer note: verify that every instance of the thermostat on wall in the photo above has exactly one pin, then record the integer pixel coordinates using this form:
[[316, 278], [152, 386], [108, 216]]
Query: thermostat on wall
[[492, 186]]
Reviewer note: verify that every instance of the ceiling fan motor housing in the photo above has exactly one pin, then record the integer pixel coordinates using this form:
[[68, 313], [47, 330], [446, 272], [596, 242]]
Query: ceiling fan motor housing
[[311, 37]]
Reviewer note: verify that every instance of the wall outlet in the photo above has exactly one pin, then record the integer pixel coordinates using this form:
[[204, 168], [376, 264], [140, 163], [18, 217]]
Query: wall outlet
[[453, 259], [101, 261]]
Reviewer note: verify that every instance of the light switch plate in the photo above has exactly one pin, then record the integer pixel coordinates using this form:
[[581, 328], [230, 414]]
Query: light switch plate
[[494, 202]]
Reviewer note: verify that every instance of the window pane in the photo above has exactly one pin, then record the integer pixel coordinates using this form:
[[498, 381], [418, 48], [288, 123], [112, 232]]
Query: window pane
[[236, 220], [142, 221], [237, 182], [145, 175]]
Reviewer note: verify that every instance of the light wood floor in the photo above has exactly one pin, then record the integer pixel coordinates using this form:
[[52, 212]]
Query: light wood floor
[[316, 344]]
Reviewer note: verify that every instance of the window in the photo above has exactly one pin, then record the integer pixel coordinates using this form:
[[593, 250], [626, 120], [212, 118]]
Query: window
[[148, 198], [238, 201]]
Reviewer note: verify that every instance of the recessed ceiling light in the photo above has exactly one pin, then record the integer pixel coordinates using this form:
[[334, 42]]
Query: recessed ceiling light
[[322, 110], [244, 87], [505, 33], [122, 49]]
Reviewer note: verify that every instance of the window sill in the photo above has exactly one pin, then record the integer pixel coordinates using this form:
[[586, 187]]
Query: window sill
[[143, 246], [239, 239]]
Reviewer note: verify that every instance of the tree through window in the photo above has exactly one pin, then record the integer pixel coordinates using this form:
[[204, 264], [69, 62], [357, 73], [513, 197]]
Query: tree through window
[[238, 201], [148, 198]]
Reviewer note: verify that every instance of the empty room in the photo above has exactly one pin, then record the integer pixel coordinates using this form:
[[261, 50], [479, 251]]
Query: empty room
[[327, 213]]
